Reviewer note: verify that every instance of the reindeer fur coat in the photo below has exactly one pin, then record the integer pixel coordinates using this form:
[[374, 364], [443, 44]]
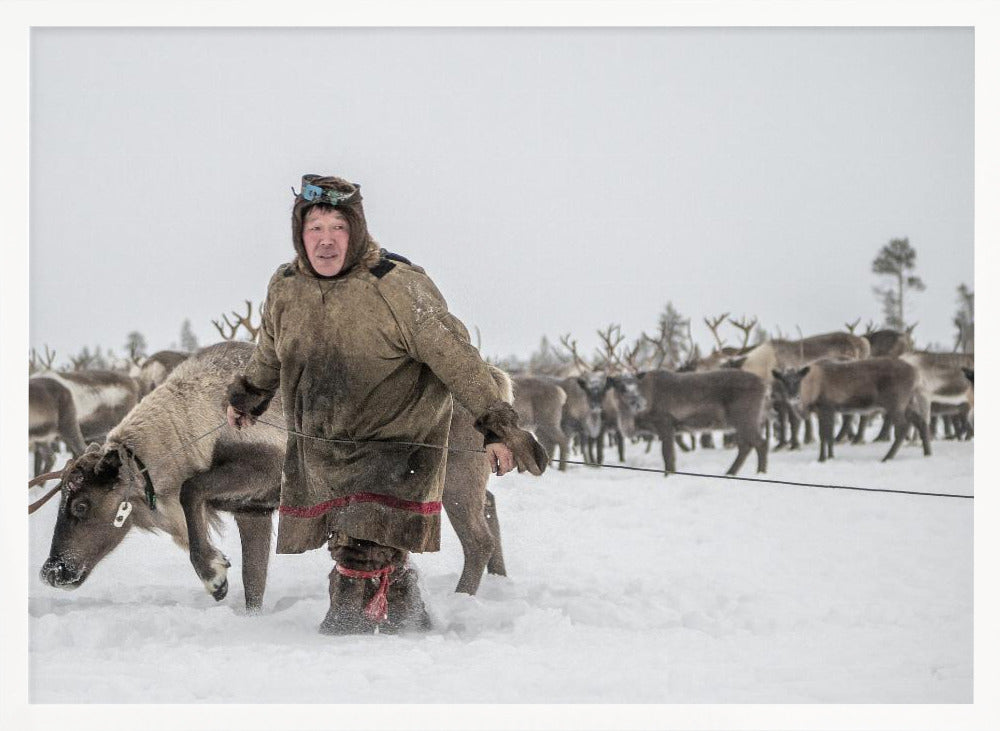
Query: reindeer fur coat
[[368, 356]]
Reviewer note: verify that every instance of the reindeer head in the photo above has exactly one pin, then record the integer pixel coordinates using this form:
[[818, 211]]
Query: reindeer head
[[790, 381], [626, 386], [98, 489], [594, 385]]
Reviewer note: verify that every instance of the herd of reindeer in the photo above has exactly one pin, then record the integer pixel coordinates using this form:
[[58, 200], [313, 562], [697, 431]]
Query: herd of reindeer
[[753, 393], [149, 451], [744, 390]]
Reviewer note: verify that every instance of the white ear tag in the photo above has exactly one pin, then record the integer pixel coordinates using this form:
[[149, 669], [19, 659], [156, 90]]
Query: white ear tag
[[123, 512]]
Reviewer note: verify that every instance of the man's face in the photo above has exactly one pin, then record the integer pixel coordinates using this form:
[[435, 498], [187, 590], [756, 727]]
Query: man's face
[[326, 235]]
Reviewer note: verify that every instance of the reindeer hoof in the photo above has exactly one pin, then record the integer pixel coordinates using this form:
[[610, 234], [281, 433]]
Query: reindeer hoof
[[218, 583], [220, 593]]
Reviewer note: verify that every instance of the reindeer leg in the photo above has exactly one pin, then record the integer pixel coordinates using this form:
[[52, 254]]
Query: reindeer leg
[[255, 538], [883, 434], [846, 429], [825, 434], [38, 460], [762, 448], [209, 563], [679, 439], [245, 477], [620, 443], [743, 449], [793, 427], [780, 429], [901, 426], [667, 448], [563, 442], [496, 563], [859, 436], [465, 503], [808, 437], [921, 425]]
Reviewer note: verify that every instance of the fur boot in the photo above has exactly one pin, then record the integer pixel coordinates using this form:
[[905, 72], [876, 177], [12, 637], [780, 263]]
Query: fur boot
[[349, 596]]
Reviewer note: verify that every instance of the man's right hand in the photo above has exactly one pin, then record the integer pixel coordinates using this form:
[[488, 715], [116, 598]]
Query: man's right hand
[[239, 419]]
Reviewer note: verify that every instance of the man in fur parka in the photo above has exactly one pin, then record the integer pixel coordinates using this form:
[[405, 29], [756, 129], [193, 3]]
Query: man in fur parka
[[366, 355]]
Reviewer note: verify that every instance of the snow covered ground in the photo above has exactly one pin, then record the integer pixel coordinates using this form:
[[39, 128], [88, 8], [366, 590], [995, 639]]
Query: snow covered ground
[[623, 587]]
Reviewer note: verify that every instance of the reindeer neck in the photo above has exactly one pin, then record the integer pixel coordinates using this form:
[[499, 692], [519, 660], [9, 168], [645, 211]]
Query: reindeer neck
[[154, 432]]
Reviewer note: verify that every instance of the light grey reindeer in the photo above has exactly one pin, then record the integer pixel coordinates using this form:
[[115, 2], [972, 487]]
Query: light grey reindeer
[[109, 489], [77, 407]]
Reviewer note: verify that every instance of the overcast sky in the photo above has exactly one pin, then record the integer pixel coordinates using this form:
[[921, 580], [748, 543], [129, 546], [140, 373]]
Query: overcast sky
[[550, 181]]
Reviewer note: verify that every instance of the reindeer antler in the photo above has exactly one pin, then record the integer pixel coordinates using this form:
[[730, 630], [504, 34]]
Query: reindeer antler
[[869, 327], [36, 363], [609, 357], [851, 325], [629, 357], [241, 321], [48, 496], [713, 325], [570, 345], [746, 327]]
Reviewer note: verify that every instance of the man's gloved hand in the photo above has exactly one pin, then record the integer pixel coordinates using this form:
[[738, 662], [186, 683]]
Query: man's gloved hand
[[501, 420]]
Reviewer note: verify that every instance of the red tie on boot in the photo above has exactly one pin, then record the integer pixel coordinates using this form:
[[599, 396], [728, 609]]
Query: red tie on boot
[[377, 610]]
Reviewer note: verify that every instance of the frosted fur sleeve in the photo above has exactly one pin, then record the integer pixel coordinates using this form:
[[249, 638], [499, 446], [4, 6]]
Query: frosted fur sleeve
[[436, 337], [252, 392]]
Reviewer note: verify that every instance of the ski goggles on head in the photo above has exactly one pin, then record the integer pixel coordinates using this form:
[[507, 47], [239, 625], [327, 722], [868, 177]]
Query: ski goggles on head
[[314, 193]]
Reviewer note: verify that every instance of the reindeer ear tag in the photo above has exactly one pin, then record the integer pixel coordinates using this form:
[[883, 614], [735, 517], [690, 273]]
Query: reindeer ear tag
[[123, 512]]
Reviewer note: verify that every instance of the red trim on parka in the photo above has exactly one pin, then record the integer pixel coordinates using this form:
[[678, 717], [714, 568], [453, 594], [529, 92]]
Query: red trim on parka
[[431, 508]]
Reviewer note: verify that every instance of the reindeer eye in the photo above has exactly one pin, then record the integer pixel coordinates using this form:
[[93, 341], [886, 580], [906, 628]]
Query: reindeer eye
[[79, 508]]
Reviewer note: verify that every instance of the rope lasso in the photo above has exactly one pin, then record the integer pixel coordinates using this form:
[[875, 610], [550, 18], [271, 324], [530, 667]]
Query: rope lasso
[[638, 469]]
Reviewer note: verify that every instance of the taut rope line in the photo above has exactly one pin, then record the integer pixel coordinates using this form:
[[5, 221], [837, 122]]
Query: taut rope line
[[641, 469]]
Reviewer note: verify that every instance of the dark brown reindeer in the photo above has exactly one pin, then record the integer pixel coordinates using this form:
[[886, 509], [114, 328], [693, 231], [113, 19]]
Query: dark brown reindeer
[[723, 399], [886, 385], [885, 343], [106, 492], [722, 356], [888, 343]]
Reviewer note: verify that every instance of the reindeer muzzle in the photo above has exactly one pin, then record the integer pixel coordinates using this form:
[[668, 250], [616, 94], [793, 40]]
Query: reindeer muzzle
[[55, 572]]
